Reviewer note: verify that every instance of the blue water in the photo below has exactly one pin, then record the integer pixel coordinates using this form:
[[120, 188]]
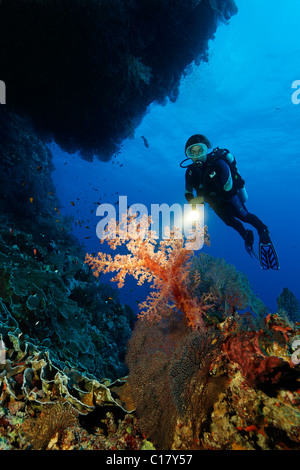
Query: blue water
[[242, 101]]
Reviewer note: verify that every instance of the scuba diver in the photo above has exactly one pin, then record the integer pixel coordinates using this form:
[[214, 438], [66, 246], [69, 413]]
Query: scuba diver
[[215, 179]]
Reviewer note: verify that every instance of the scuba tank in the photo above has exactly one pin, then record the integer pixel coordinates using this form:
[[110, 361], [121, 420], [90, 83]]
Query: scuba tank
[[237, 180], [242, 194]]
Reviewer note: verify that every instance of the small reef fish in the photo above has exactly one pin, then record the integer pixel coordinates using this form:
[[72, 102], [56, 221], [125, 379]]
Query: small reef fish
[[146, 143]]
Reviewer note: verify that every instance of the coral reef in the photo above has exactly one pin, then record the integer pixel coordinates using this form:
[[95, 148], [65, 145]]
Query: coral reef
[[170, 377], [44, 299], [54, 418], [209, 366], [230, 287], [186, 391], [86, 71], [164, 263], [45, 288], [28, 199], [262, 413], [43, 407], [226, 389], [185, 376], [289, 305], [149, 354], [230, 386], [62, 335]]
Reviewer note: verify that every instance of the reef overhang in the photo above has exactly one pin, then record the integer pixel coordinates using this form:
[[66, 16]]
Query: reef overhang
[[86, 71]]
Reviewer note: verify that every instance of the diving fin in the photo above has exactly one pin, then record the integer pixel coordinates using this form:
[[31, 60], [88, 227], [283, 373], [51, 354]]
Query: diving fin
[[249, 240], [267, 255]]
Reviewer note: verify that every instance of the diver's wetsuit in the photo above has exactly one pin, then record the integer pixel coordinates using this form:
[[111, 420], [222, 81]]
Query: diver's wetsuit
[[235, 209], [215, 183]]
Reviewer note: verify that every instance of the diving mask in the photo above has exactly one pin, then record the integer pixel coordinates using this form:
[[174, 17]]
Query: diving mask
[[197, 152]]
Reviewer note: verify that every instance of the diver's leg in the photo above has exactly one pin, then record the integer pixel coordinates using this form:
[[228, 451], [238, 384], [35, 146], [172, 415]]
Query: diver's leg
[[261, 228], [240, 211], [229, 219], [267, 254]]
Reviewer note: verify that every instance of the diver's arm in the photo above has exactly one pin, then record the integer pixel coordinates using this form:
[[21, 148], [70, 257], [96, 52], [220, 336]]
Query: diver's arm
[[189, 190], [189, 195]]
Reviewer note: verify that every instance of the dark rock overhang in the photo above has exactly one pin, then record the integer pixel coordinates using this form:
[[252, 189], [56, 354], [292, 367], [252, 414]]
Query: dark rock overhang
[[86, 71]]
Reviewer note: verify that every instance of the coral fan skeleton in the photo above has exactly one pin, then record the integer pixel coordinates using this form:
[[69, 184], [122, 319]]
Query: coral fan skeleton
[[165, 263]]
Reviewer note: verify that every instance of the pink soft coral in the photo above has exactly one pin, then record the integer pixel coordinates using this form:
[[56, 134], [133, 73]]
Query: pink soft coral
[[165, 264]]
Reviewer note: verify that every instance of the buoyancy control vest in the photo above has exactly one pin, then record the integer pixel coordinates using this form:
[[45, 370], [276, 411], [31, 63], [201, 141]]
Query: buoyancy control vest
[[224, 154]]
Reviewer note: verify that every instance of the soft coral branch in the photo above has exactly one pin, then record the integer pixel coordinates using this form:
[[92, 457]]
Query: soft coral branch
[[166, 264]]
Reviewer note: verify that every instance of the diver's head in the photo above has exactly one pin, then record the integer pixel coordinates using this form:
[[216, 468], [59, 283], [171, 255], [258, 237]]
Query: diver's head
[[196, 148]]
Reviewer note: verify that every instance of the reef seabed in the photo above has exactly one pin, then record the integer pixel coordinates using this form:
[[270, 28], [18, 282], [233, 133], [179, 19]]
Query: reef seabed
[[43, 407]]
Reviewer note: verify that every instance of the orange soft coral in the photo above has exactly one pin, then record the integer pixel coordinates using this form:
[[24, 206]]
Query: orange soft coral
[[165, 264]]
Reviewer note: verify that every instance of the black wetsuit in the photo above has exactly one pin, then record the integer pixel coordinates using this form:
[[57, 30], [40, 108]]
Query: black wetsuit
[[214, 181]]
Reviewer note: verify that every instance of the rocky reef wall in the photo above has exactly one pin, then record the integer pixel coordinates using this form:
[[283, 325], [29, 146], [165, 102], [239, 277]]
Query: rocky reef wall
[[45, 289]]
